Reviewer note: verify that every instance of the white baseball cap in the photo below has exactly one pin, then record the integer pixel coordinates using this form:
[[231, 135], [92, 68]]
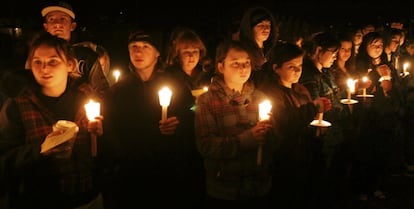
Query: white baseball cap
[[59, 6]]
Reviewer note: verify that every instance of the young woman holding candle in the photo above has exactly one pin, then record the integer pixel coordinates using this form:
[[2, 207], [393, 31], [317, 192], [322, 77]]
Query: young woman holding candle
[[321, 52], [228, 134], [378, 145], [293, 110], [45, 180], [344, 73], [344, 65]]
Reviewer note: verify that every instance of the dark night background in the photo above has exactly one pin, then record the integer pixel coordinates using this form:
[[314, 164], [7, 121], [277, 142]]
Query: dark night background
[[108, 23], [328, 11]]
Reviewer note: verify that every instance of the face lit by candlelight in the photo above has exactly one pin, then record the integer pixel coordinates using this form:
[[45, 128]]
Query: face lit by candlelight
[[59, 24], [189, 57], [290, 71], [262, 30], [394, 43], [326, 58], [344, 52], [143, 55], [375, 48], [50, 69], [236, 68]]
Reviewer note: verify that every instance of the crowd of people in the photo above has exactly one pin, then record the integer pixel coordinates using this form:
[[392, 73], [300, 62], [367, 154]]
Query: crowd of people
[[341, 116]]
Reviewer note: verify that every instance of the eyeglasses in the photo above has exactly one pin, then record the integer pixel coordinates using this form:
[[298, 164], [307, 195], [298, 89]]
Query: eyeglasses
[[395, 41], [332, 51]]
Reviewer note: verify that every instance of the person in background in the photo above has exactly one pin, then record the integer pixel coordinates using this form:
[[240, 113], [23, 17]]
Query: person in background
[[367, 28], [398, 24], [342, 70], [259, 30], [407, 58], [357, 40], [228, 134], [47, 180], [187, 61], [344, 65], [392, 37], [293, 110], [145, 153], [104, 59], [407, 55], [59, 20]]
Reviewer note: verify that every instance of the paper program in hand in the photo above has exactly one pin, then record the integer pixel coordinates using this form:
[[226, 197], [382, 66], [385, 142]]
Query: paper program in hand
[[52, 140]]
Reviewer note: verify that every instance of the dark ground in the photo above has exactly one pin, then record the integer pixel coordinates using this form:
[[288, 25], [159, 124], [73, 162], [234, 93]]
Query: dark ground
[[399, 191]]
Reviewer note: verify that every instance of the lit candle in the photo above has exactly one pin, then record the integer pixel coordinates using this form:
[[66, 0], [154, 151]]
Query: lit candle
[[93, 109], [351, 87], [396, 62], [264, 109], [165, 98], [197, 92], [364, 90], [320, 117], [117, 73], [405, 69]]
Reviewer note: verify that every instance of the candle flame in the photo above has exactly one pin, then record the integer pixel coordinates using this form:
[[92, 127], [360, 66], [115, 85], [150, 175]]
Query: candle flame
[[405, 67], [165, 96], [264, 109], [93, 109], [117, 73], [351, 85]]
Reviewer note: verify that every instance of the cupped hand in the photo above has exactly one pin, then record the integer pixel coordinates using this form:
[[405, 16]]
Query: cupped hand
[[260, 129], [323, 103], [95, 126], [168, 126]]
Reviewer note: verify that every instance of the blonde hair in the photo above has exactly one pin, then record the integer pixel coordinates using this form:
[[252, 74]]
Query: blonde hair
[[184, 37]]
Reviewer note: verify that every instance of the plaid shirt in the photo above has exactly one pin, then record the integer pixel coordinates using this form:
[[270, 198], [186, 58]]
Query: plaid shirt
[[65, 182], [223, 122]]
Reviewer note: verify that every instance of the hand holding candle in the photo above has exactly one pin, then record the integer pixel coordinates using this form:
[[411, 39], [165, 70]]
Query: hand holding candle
[[165, 98], [93, 110], [264, 110], [322, 104]]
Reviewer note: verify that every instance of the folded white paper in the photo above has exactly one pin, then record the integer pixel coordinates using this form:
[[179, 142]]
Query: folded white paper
[[53, 139]]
